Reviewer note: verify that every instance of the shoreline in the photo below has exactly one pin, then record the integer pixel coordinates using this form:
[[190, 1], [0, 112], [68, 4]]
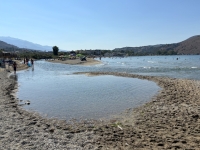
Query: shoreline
[[20, 66], [90, 61], [169, 120]]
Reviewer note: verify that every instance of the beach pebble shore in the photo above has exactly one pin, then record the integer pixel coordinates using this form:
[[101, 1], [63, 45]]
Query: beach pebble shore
[[20, 129], [170, 120]]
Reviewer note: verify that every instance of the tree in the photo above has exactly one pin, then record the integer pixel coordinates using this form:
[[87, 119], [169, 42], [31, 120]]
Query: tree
[[55, 50]]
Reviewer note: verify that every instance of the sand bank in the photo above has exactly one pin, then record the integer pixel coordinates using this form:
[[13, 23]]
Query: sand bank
[[90, 61], [169, 121], [20, 66]]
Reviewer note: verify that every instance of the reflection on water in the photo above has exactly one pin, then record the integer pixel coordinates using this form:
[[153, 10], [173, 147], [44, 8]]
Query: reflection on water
[[64, 95], [32, 68], [76, 96], [53, 89], [14, 76]]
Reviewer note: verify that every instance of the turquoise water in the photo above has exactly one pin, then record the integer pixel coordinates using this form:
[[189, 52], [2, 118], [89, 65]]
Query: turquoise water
[[54, 90]]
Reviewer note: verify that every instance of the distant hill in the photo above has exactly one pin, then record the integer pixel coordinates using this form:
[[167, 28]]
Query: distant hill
[[25, 44], [4, 45], [190, 46], [161, 49]]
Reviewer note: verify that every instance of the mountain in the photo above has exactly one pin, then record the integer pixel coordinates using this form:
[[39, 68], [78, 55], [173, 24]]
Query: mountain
[[190, 46], [25, 44], [4, 45]]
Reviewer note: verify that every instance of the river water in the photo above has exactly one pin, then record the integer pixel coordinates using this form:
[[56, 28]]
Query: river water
[[54, 90]]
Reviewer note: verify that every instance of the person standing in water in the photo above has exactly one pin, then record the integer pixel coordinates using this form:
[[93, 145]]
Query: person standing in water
[[32, 62], [15, 67]]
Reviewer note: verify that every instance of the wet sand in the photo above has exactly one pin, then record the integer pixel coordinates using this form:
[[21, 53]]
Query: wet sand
[[90, 61], [169, 121]]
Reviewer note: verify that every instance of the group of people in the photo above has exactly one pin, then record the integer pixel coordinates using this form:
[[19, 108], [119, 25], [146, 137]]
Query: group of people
[[26, 60]]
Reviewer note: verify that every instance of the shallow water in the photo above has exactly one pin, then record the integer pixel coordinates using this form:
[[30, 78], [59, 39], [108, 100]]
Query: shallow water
[[54, 90], [70, 96]]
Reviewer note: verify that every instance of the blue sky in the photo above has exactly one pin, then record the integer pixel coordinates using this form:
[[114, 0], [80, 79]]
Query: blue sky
[[100, 24]]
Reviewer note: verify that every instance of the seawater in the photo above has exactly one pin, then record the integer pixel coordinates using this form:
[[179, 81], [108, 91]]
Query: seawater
[[54, 90], [177, 66]]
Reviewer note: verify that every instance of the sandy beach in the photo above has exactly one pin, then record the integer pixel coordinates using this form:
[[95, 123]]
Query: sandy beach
[[169, 121], [90, 61]]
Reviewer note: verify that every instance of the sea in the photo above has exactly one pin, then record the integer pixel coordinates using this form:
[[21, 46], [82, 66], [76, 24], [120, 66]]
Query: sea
[[54, 91]]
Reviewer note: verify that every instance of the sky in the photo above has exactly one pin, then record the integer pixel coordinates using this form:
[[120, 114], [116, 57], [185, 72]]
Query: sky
[[100, 24]]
